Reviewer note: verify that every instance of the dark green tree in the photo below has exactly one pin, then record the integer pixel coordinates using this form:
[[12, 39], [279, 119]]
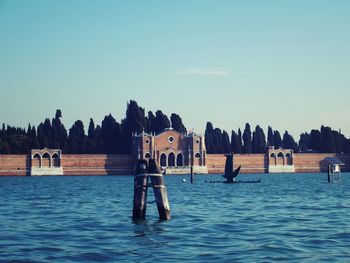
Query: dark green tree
[[58, 132], [236, 145], [316, 140], [270, 137], [209, 130], [328, 144], [254, 143], [240, 141], [277, 139], [77, 138], [226, 142], [260, 140], [247, 139], [161, 122], [134, 122], [112, 137], [176, 123], [304, 142], [150, 122], [288, 142]]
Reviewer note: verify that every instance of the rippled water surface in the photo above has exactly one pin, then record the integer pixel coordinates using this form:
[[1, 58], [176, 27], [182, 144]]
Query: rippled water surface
[[291, 217]]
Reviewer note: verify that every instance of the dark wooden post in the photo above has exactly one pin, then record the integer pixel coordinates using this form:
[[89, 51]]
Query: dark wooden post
[[192, 175], [159, 190], [192, 163], [140, 190]]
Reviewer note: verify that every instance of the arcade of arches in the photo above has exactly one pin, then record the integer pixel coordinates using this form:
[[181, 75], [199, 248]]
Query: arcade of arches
[[280, 160], [46, 162]]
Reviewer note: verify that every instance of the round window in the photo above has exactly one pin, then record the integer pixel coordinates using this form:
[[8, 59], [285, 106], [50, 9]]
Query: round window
[[197, 141], [147, 141], [171, 139]]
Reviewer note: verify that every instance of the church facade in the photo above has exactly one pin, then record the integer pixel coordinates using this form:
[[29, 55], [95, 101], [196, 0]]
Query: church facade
[[173, 151]]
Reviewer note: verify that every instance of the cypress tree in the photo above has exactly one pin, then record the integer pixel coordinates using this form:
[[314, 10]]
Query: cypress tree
[[134, 122], [254, 143], [77, 138], [91, 130], [236, 146], [316, 140], [260, 140], [277, 139], [161, 122], [208, 138], [247, 139], [226, 142], [328, 144], [304, 142], [288, 142], [240, 141], [270, 137], [176, 123]]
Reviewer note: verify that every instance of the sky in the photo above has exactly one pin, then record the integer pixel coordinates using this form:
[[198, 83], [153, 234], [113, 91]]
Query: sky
[[280, 63]]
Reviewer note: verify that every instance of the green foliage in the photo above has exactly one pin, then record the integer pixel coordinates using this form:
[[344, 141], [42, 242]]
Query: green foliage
[[288, 142], [270, 137], [226, 142], [277, 139], [161, 122], [114, 137], [236, 142], [247, 139], [176, 123]]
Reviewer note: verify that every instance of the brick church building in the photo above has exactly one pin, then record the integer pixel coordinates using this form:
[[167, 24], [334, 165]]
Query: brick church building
[[173, 151]]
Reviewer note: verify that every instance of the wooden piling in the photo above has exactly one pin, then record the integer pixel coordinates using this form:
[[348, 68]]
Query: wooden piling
[[192, 175], [159, 190], [140, 190]]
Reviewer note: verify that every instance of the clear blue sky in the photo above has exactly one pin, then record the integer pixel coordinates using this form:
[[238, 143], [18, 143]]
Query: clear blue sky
[[279, 63]]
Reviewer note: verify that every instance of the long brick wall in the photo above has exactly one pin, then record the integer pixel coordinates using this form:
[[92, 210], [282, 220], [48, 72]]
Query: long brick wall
[[97, 164], [251, 163], [73, 164], [13, 164], [315, 162], [117, 164], [258, 163]]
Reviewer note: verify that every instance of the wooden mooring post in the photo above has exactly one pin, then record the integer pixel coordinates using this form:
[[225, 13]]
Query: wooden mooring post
[[143, 171], [140, 190], [192, 174]]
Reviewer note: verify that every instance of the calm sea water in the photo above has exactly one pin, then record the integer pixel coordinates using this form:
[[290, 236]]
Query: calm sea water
[[289, 217]]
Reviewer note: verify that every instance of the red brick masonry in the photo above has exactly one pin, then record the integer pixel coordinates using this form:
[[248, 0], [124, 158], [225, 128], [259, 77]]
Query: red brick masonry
[[118, 164]]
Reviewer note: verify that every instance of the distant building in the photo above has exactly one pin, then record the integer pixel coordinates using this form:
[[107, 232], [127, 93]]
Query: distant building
[[173, 151], [46, 162], [280, 160]]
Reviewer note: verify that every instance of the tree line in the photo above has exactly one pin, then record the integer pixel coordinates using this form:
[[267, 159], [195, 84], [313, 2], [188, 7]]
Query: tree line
[[324, 140], [109, 137], [112, 136]]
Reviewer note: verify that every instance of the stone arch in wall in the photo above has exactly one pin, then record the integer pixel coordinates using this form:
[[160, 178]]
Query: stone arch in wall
[[197, 159], [46, 160], [171, 160], [147, 155], [280, 159], [180, 160], [36, 160], [56, 160], [272, 160], [163, 160], [288, 159]]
